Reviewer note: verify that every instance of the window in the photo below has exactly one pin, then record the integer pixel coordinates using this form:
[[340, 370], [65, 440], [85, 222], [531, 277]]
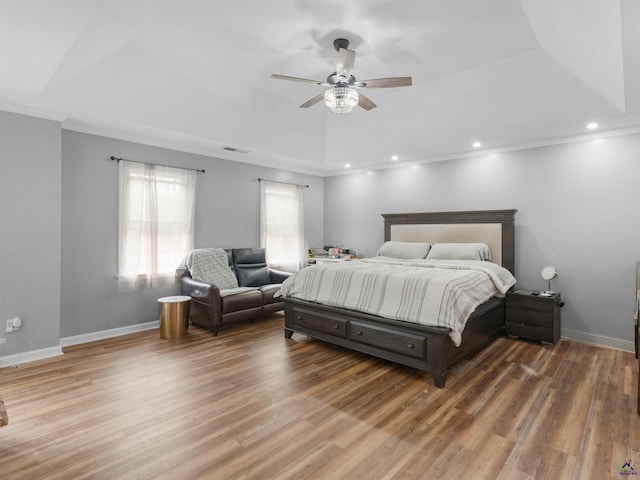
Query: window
[[282, 225], [157, 208]]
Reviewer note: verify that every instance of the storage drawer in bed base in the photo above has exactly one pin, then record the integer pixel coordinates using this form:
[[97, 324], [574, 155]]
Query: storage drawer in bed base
[[419, 346], [389, 339], [378, 339], [305, 320]]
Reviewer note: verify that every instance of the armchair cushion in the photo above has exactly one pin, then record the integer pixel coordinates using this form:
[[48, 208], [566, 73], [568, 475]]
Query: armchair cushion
[[251, 267], [247, 300], [268, 292], [227, 292]]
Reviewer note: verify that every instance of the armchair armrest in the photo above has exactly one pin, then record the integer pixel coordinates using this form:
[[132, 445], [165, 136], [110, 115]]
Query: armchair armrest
[[278, 276], [206, 308], [197, 290]]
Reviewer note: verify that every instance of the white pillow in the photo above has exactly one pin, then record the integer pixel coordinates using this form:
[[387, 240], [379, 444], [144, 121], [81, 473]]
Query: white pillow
[[404, 250], [459, 251]]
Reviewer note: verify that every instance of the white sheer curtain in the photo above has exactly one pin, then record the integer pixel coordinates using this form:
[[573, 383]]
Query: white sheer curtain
[[282, 225], [156, 224]]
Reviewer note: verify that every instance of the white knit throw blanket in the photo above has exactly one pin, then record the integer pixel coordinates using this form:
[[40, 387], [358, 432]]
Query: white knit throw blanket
[[209, 265]]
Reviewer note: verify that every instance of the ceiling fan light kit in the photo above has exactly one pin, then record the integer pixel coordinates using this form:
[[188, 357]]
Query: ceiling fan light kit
[[341, 99], [343, 94]]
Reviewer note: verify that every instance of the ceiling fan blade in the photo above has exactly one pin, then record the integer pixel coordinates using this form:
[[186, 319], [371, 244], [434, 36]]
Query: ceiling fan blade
[[313, 101], [365, 102], [387, 82], [346, 59], [296, 79]]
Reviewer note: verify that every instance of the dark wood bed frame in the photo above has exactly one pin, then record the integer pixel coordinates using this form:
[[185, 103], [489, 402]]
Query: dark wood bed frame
[[419, 346]]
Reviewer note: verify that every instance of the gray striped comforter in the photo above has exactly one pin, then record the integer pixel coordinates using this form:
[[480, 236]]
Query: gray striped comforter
[[430, 292]]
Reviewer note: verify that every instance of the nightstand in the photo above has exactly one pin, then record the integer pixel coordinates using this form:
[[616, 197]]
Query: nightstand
[[533, 316]]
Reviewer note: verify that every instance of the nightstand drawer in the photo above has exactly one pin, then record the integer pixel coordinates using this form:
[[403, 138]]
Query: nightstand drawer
[[532, 302], [541, 333], [530, 316]]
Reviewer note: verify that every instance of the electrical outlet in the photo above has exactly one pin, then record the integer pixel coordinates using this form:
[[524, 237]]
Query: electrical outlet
[[13, 324], [3, 341]]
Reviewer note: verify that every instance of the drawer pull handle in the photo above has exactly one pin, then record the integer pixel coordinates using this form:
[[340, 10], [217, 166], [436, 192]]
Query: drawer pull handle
[[336, 327], [358, 332], [410, 345], [299, 317], [531, 309], [532, 325]]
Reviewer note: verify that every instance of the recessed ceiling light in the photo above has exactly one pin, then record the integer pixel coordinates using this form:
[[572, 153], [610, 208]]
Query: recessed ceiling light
[[477, 144], [347, 165], [394, 157], [592, 125]]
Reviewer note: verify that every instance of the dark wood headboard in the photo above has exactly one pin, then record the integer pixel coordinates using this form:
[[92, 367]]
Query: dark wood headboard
[[496, 228]]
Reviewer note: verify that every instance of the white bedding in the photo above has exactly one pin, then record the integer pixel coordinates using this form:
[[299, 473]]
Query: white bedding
[[430, 292]]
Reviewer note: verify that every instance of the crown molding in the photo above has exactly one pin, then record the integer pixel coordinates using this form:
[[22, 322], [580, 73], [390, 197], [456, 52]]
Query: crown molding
[[199, 146], [189, 144], [33, 112]]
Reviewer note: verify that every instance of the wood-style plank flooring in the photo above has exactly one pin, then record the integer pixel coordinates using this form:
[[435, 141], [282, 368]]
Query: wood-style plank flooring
[[250, 404]]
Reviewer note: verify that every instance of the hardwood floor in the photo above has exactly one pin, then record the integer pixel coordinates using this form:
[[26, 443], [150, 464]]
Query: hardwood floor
[[250, 404]]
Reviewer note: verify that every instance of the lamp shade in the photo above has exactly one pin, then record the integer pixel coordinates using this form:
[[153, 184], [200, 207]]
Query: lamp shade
[[548, 272]]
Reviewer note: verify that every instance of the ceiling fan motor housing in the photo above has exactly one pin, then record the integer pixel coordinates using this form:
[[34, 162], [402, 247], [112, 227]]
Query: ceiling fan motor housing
[[340, 80], [339, 43]]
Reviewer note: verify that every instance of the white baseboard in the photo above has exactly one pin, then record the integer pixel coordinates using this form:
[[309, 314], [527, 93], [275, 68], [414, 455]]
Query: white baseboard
[[104, 334], [32, 356], [598, 340]]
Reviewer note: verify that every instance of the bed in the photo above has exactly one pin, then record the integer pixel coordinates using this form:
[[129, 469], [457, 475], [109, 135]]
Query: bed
[[425, 347]]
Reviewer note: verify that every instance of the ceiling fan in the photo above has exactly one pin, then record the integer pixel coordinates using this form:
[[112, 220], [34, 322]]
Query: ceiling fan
[[343, 94]]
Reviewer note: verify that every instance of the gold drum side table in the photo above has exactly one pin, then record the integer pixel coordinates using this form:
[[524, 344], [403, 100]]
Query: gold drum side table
[[174, 316]]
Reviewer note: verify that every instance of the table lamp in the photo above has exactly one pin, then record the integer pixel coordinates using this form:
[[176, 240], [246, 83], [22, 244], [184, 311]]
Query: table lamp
[[548, 273]]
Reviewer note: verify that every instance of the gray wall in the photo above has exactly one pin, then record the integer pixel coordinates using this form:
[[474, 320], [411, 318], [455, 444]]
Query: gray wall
[[227, 215], [578, 209], [30, 215]]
